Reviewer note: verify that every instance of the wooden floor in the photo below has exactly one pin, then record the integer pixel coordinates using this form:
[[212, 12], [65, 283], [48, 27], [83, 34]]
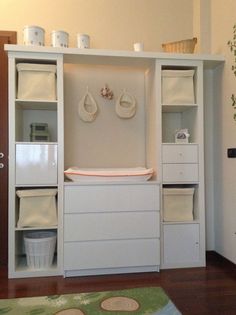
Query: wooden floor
[[195, 291]]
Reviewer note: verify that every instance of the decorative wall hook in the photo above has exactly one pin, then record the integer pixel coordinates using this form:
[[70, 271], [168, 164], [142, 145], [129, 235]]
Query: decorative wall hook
[[106, 92]]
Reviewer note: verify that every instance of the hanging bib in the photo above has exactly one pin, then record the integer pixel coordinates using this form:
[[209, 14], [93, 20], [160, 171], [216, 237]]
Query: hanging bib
[[125, 105], [87, 108]]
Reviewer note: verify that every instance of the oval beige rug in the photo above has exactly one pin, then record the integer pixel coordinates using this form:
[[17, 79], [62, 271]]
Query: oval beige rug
[[120, 303]]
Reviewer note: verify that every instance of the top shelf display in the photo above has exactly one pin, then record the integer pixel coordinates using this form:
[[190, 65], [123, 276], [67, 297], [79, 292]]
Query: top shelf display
[[131, 58]]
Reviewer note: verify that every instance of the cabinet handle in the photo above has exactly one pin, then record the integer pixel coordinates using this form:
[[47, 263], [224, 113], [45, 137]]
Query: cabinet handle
[[1, 155], [1, 165]]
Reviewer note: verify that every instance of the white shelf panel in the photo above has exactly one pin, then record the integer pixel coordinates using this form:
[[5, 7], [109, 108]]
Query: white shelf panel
[[121, 56], [36, 104], [96, 183], [168, 108], [37, 228], [180, 222], [23, 271]]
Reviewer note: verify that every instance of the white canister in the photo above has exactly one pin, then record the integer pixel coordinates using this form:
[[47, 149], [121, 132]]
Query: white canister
[[33, 35], [138, 46], [83, 41], [59, 39]]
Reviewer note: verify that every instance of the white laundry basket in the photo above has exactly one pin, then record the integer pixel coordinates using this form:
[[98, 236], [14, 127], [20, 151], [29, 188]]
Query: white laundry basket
[[178, 87], [178, 204], [36, 81], [40, 248]]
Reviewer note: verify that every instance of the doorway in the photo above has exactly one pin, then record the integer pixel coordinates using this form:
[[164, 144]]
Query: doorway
[[6, 37]]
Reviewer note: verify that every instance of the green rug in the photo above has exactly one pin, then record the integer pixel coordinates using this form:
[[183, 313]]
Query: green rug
[[139, 301]]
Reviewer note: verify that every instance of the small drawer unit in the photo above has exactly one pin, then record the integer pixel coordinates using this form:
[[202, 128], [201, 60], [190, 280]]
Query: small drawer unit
[[180, 163]]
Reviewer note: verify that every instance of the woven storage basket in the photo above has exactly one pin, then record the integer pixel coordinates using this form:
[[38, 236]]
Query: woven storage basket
[[183, 46], [178, 204]]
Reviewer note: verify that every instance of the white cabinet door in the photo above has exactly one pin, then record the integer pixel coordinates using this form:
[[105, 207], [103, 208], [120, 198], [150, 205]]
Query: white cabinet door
[[36, 164], [181, 244]]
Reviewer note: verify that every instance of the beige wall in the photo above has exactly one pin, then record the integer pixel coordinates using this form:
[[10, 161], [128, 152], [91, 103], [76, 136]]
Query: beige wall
[[117, 24], [112, 24], [223, 19]]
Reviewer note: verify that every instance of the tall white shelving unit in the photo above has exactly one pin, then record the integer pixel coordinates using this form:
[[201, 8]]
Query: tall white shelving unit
[[111, 227], [183, 242], [34, 164]]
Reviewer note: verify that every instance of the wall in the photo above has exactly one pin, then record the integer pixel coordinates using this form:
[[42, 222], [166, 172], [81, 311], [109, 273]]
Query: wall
[[223, 19], [119, 142], [112, 24], [117, 24]]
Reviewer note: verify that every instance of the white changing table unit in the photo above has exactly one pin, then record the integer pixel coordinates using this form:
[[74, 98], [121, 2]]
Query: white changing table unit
[[110, 227]]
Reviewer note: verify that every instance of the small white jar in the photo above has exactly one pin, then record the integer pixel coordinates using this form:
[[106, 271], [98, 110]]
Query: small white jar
[[83, 41], [59, 39], [138, 46], [33, 35]]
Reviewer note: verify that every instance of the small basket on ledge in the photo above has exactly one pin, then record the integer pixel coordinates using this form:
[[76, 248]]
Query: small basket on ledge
[[183, 46]]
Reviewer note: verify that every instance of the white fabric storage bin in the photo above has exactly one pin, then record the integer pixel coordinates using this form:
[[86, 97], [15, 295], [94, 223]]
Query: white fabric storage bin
[[178, 204], [36, 81], [37, 208], [177, 87], [40, 248]]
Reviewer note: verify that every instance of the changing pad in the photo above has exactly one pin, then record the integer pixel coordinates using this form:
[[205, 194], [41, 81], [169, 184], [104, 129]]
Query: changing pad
[[109, 174]]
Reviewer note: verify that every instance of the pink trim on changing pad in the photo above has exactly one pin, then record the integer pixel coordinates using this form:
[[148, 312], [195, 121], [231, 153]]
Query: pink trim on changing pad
[[77, 174]]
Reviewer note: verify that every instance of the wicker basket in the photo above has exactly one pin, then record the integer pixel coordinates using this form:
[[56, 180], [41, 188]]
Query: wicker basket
[[183, 46]]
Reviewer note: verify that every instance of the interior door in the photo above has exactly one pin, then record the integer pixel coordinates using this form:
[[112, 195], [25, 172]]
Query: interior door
[[6, 37]]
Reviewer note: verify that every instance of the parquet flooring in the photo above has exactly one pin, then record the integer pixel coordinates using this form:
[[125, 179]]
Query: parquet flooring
[[195, 291]]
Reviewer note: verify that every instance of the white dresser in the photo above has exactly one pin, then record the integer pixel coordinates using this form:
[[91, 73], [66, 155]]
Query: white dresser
[[111, 228]]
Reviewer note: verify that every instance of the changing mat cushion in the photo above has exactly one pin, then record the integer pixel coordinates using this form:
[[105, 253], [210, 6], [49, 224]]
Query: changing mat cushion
[[109, 174]]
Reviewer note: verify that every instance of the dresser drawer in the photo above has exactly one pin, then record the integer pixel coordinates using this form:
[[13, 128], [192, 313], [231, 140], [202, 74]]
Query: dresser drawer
[[111, 254], [110, 198], [180, 153], [180, 173], [117, 225]]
